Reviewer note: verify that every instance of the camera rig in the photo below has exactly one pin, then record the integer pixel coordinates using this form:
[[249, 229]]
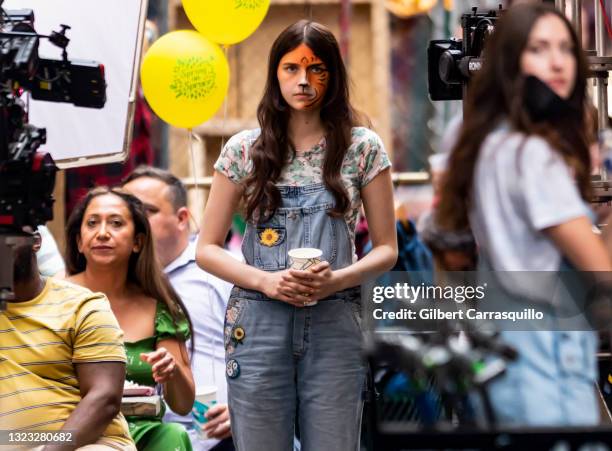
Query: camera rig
[[451, 62], [27, 177]]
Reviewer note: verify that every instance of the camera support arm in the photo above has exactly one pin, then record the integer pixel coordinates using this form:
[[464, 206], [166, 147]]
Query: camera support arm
[[57, 38]]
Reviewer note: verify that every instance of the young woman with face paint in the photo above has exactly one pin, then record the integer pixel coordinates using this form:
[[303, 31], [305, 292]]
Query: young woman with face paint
[[518, 176], [303, 176]]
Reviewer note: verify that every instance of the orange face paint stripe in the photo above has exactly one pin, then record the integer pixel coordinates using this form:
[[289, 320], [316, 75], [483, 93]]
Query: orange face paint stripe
[[303, 56]]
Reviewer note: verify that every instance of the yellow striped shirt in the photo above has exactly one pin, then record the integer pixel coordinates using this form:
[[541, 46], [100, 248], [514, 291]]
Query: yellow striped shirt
[[40, 341]]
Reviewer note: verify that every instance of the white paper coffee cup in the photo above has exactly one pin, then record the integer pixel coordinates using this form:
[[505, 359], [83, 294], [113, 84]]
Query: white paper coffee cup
[[206, 397], [303, 258]]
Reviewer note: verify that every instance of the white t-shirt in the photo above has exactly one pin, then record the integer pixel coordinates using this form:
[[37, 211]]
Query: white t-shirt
[[49, 258], [521, 186]]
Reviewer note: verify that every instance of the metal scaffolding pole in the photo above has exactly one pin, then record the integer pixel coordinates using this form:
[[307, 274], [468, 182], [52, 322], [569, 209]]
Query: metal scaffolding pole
[[560, 5], [601, 79], [576, 12]]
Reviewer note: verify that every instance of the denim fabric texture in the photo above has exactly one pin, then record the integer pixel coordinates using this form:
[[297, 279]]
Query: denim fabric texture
[[296, 364], [552, 383]]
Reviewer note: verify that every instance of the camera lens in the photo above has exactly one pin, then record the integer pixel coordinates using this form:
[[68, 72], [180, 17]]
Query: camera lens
[[448, 70]]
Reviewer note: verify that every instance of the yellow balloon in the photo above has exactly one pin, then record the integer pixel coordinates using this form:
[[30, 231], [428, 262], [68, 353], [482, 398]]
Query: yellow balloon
[[184, 78], [226, 21]]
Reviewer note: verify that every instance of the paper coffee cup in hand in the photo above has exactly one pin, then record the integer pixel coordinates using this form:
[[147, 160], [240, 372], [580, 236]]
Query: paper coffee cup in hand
[[205, 399], [303, 258]]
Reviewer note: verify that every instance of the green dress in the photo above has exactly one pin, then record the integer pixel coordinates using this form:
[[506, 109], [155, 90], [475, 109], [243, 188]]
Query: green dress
[[150, 433]]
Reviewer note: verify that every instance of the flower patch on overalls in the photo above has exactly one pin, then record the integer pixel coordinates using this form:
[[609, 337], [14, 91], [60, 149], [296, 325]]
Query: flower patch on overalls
[[238, 335], [270, 251], [269, 237], [233, 334], [232, 369]]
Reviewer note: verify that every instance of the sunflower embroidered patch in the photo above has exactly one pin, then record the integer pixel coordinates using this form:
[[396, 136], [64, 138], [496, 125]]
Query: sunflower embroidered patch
[[239, 334], [269, 237]]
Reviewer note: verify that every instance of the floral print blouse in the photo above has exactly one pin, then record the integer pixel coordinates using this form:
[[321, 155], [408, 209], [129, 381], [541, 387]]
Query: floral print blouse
[[364, 160]]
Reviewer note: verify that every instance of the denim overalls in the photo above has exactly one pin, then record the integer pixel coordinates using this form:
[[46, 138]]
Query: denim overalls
[[283, 361]]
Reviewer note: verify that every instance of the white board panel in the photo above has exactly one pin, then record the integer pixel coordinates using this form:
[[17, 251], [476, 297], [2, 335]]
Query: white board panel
[[109, 32]]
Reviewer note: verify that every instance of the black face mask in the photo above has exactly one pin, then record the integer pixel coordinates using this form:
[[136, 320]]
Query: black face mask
[[543, 104]]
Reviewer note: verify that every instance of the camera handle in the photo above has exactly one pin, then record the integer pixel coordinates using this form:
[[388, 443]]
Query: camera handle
[[59, 39]]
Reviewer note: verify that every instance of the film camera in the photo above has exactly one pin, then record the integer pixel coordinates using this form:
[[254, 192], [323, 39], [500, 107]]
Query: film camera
[[451, 62], [27, 177]]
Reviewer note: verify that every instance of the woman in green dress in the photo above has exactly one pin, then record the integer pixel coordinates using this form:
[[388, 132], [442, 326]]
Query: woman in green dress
[[109, 249]]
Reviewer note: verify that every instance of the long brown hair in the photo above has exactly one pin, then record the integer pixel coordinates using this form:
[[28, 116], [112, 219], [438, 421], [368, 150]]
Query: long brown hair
[[272, 149], [144, 270], [497, 93]]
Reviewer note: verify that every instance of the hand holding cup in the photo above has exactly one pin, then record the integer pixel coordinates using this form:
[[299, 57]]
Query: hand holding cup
[[302, 259], [205, 399]]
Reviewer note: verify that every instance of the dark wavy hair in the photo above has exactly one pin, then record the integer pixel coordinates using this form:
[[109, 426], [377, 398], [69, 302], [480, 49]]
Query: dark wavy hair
[[497, 93], [144, 270], [273, 148]]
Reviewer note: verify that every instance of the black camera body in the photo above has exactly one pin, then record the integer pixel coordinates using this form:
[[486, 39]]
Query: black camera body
[[26, 177], [451, 62], [26, 182]]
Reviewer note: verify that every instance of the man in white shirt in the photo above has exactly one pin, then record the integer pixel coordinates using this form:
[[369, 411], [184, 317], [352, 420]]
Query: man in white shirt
[[205, 296], [50, 261]]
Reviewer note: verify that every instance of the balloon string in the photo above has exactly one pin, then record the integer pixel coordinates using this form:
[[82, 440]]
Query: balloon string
[[223, 123], [193, 136]]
